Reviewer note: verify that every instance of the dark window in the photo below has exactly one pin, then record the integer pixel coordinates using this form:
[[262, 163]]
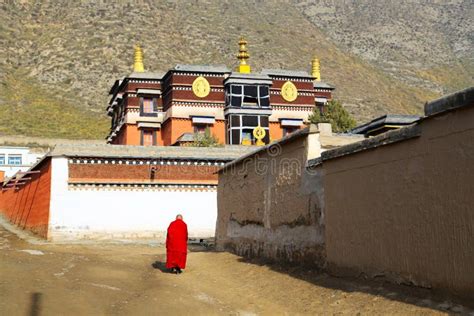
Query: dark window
[[264, 102], [249, 120], [289, 130], [249, 101], [236, 101], [240, 128], [250, 91], [2, 159], [200, 128], [263, 91], [266, 139], [236, 89], [235, 119], [264, 121], [250, 96], [235, 137]]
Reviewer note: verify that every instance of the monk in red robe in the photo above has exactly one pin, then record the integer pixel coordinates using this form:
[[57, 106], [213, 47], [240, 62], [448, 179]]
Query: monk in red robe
[[177, 245]]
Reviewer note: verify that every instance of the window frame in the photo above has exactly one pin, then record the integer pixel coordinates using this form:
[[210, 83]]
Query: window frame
[[155, 106], [142, 137], [240, 128], [13, 156], [259, 97]]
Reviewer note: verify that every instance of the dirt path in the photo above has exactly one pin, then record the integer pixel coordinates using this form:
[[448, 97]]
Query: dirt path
[[111, 279]]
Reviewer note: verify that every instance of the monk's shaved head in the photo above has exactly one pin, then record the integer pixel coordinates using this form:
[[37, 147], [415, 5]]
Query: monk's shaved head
[[179, 216]]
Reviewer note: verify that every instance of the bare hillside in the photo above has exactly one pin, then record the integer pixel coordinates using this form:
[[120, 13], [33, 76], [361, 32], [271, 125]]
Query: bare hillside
[[58, 58]]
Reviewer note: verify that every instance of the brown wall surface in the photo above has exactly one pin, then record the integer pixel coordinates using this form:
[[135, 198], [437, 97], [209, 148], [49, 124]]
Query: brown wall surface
[[28, 207], [270, 208], [406, 211], [204, 174]]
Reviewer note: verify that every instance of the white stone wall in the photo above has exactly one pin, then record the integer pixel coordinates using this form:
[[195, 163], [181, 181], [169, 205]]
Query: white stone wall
[[93, 213]]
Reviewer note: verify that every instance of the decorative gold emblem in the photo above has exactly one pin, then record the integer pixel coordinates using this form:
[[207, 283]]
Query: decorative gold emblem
[[289, 91], [201, 87], [259, 134]]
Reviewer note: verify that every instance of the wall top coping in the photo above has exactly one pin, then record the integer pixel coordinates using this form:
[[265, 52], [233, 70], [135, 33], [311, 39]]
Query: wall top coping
[[226, 153], [449, 102]]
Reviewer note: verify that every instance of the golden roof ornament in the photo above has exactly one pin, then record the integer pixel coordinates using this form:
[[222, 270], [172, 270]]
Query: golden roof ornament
[[316, 69], [138, 59], [243, 55]]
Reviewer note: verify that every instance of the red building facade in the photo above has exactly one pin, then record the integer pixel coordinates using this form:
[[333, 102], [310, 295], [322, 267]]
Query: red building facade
[[165, 109]]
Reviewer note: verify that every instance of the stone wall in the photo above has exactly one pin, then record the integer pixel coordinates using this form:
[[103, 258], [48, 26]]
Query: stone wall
[[270, 207]]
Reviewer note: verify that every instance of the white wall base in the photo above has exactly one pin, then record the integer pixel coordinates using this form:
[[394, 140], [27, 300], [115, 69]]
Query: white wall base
[[125, 214]]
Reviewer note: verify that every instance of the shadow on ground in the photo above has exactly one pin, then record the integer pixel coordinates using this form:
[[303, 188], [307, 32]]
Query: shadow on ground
[[159, 265], [197, 247], [35, 304], [408, 294]]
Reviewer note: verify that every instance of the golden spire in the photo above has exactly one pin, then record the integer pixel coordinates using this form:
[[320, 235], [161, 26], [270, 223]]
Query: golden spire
[[138, 59], [315, 69], [243, 55]]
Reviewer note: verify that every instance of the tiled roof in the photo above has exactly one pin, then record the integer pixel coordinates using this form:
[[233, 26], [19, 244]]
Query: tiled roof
[[202, 68], [226, 153], [186, 137], [389, 119], [286, 73], [322, 85], [146, 75]]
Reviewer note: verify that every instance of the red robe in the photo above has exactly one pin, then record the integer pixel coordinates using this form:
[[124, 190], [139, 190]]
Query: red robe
[[177, 244]]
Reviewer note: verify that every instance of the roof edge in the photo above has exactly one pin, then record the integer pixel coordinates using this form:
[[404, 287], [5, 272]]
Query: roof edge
[[450, 102], [387, 138]]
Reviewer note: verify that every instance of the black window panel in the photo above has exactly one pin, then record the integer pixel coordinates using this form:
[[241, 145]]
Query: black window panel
[[235, 89], [249, 120], [235, 137], [264, 121], [250, 91], [263, 91], [235, 119], [264, 102], [236, 101], [250, 101], [266, 139]]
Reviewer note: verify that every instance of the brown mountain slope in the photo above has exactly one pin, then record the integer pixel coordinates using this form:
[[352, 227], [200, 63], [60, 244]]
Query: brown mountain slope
[[427, 44], [69, 53]]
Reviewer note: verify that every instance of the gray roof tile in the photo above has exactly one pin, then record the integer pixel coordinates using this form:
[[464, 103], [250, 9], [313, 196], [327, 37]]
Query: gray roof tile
[[226, 153], [202, 68]]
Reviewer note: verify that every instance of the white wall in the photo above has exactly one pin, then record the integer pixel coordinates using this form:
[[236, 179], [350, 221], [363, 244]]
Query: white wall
[[122, 214], [28, 159]]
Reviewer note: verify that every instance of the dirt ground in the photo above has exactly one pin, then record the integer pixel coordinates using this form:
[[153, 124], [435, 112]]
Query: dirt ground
[[129, 279]]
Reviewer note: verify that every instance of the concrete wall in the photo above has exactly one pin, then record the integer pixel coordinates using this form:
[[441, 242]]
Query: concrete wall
[[113, 213], [270, 207], [406, 210]]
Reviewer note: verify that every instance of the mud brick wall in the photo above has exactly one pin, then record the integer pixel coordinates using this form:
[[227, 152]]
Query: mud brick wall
[[28, 207], [267, 209], [406, 211]]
